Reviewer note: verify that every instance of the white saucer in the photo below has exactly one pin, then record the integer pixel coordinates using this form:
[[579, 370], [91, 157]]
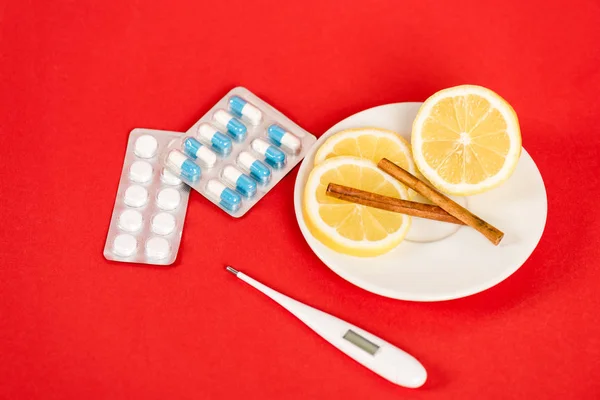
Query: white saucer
[[458, 265]]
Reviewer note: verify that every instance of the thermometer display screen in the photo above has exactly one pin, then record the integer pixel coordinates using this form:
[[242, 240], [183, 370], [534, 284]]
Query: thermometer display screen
[[361, 342]]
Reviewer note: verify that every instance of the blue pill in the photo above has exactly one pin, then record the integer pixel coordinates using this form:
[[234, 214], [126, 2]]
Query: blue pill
[[284, 139], [186, 168], [276, 133], [191, 146], [227, 198], [234, 126], [258, 170], [241, 107], [236, 105], [196, 150], [273, 156], [242, 183], [219, 142]]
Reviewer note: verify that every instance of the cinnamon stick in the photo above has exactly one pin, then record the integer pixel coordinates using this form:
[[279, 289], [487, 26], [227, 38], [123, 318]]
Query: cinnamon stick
[[390, 203], [490, 232]]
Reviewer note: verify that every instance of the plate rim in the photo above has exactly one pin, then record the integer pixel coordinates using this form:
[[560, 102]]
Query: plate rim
[[394, 294]]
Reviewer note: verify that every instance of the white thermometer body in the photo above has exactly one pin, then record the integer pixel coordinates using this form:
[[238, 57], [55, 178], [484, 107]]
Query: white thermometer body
[[374, 353]]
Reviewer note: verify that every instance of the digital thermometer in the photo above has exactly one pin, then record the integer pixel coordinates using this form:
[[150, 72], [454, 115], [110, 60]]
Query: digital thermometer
[[374, 353]]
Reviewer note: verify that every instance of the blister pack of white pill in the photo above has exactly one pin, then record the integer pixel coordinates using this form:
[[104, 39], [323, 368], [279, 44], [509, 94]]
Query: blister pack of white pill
[[238, 151], [151, 203]]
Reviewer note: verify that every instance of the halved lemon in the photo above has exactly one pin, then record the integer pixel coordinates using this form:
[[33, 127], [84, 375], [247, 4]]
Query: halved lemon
[[352, 228], [466, 140], [368, 143]]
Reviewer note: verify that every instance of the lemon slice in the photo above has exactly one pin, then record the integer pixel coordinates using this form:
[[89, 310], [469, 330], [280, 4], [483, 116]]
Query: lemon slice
[[352, 228], [369, 143], [466, 140]]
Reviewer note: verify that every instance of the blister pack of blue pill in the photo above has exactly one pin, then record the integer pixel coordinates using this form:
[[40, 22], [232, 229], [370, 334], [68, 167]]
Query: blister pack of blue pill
[[238, 151], [149, 211]]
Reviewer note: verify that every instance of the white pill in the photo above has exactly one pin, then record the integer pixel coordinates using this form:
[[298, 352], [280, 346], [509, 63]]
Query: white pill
[[246, 159], [227, 198], [207, 156], [243, 184], [241, 107], [130, 220], [197, 151], [284, 139], [183, 166], [252, 113], [231, 174], [223, 117], [140, 171], [169, 178], [176, 158], [206, 132], [157, 247], [124, 245], [136, 196], [168, 199], [215, 188], [145, 146], [260, 146], [163, 223], [291, 142]]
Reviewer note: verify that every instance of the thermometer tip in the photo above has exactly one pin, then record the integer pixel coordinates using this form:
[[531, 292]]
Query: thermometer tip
[[232, 270]]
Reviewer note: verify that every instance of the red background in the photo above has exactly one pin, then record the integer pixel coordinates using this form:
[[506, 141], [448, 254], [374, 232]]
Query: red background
[[77, 76]]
